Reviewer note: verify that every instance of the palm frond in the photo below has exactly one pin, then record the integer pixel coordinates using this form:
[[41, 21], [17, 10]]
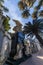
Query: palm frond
[[25, 14], [1, 0]]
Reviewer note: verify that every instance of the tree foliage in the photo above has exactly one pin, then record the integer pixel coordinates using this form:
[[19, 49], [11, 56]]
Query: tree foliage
[[37, 24], [6, 23], [34, 28], [2, 7], [5, 18], [27, 4]]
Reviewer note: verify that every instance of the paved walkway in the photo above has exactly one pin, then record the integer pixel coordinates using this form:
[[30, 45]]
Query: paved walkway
[[36, 59]]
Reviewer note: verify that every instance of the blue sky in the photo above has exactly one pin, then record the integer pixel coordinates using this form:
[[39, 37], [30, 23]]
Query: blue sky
[[14, 12]]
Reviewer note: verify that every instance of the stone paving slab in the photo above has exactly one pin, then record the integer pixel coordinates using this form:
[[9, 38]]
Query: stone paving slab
[[36, 59]]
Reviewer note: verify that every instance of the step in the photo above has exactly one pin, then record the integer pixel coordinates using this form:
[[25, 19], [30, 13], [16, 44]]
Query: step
[[11, 61]]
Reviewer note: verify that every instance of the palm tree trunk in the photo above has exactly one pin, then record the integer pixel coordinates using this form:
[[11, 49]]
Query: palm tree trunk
[[39, 38]]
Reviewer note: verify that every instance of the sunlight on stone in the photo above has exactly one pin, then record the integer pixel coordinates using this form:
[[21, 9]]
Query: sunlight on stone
[[5, 47], [40, 57]]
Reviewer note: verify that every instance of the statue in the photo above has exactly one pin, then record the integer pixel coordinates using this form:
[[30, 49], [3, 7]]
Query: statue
[[5, 41], [20, 47]]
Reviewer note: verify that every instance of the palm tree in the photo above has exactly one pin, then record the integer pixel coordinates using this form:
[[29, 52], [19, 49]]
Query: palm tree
[[36, 25], [27, 4], [34, 15], [34, 28], [41, 13], [21, 5], [2, 7], [25, 14], [5, 19]]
